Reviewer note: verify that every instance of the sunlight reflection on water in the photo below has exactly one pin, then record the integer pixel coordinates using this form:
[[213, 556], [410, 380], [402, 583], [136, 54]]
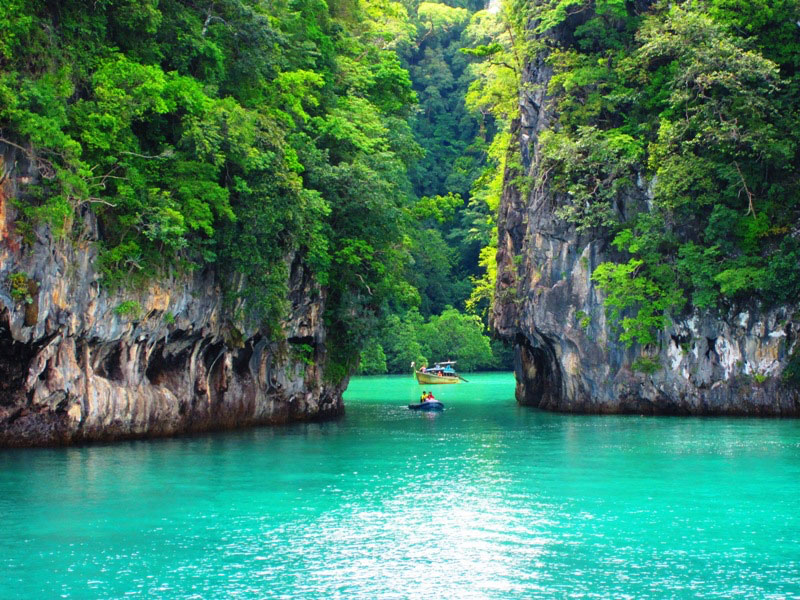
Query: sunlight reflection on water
[[484, 500]]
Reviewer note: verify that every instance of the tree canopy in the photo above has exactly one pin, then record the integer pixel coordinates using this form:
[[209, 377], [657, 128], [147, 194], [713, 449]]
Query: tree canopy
[[697, 100], [234, 134]]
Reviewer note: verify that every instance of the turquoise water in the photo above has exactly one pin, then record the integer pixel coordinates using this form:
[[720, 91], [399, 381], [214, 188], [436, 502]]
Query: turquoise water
[[484, 500]]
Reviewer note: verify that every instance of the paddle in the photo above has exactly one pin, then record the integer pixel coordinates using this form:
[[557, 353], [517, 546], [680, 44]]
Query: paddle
[[462, 379]]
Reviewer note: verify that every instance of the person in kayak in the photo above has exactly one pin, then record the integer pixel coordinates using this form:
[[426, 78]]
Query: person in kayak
[[423, 397]]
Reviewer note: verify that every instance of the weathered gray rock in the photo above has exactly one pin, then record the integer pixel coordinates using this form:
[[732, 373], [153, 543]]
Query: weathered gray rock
[[73, 369], [567, 354]]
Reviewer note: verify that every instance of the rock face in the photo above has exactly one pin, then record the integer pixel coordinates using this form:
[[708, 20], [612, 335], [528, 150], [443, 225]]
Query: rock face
[[79, 363], [567, 354]]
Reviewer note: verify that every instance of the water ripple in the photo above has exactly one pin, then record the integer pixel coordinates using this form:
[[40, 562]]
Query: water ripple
[[485, 500]]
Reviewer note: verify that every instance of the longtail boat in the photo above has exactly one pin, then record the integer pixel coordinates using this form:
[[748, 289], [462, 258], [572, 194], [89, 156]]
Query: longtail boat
[[441, 372]]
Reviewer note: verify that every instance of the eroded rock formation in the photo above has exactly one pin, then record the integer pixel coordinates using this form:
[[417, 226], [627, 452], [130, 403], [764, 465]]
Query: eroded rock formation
[[568, 357], [80, 363]]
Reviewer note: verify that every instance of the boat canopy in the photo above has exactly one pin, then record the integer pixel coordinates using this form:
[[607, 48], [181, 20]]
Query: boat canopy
[[444, 367]]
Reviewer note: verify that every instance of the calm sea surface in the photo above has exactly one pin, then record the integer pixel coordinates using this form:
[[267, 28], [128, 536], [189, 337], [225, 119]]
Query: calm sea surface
[[484, 500]]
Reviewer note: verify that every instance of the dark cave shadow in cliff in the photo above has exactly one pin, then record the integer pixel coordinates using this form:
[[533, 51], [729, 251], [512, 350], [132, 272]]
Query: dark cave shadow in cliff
[[539, 381]]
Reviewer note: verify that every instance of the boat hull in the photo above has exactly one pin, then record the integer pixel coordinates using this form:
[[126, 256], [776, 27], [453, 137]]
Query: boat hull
[[427, 406], [429, 379]]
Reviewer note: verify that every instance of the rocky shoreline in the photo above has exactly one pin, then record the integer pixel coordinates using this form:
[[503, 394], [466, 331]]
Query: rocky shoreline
[[568, 357], [81, 363]]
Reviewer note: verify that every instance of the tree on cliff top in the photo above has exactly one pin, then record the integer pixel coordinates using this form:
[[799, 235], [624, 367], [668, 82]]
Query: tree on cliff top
[[231, 135], [699, 99]]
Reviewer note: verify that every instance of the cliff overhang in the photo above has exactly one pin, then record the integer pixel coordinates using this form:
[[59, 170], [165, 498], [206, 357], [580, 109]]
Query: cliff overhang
[[80, 362]]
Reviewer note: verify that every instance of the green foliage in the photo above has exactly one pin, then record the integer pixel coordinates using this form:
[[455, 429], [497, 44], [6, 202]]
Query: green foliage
[[304, 353], [431, 272], [695, 105], [438, 208], [448, 226], [739, 280], [482, 295], [592, 169], [260, 140], [483, 50], [647, 299], [791, 373], [644, 364], [434, 15], [783, 276], [15, 24], [442, 125], [456, 336], [451, 335], [401, 342], [443, 258], [554, 12], [699, 266], [20, 285], [129, 309], [498, 39], [373, 359]]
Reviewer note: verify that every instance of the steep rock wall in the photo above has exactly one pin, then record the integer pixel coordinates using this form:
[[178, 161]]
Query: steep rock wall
[[74, 367], [567, 354]]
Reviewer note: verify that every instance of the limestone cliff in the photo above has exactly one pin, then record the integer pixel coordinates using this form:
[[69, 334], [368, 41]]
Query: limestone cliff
[[568, 357], [79, 362]]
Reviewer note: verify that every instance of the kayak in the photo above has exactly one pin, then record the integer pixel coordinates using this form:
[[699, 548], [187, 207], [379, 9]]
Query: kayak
[[427, 406]]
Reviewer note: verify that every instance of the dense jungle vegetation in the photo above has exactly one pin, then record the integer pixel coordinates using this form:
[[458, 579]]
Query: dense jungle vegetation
[[370, 138], [694, 104], [233, 134]]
